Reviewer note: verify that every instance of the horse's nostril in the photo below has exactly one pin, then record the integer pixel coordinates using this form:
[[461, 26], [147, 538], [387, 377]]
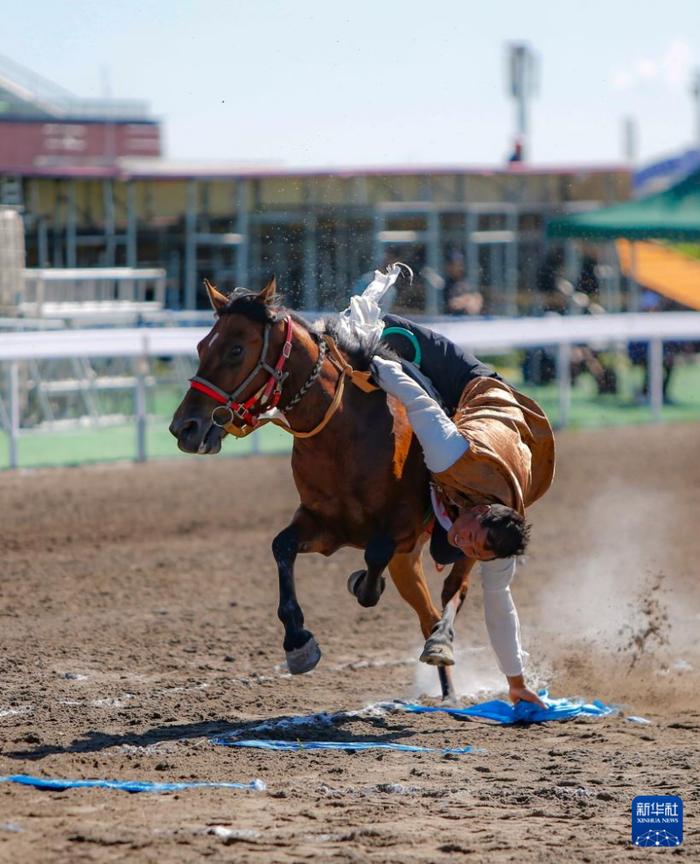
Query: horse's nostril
[[185, 427], [190, 427]]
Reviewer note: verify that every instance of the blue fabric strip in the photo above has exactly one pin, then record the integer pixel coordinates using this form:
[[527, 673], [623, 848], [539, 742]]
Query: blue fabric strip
[[272, 744], [522, 712], [124, 785]]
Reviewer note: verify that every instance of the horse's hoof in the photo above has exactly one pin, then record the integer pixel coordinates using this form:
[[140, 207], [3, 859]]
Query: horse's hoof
[[438, 653], [303, 659], [353, 579], [357, 585]]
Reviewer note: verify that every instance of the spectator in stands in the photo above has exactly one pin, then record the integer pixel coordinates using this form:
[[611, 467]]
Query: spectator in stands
[[551, 287], [540, 364], [558, 296], [517, 154], [460, 297], [588, 284]]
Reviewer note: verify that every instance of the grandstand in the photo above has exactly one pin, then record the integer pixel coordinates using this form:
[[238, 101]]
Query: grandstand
[[95, 191], [103, 230]]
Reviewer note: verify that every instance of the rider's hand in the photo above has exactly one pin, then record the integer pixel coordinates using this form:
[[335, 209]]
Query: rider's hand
[[388, 374], [518, 691]]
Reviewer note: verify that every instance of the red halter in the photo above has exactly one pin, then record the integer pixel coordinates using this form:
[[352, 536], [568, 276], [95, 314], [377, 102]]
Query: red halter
[[266, 398]]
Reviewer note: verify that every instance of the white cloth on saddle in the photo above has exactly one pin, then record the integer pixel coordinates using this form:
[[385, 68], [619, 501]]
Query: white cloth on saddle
[[364, 314], [501, 616], [441, 440]]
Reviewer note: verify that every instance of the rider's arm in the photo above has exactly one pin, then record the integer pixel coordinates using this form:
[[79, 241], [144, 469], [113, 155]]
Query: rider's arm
[[504, 627], [442, 442], [501, 615]]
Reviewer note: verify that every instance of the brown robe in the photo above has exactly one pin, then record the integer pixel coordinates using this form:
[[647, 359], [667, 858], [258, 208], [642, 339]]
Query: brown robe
[[510, 459]]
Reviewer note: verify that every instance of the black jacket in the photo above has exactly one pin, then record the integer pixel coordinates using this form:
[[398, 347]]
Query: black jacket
[[447, 367]]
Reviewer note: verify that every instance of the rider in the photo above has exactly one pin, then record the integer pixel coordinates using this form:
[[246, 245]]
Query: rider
[[489, 462]]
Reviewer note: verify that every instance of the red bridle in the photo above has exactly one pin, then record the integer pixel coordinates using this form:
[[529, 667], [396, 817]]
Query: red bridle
[[264, 399]]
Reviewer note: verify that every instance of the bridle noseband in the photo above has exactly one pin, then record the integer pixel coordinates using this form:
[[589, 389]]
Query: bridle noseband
[[268, 396], [264, 399]]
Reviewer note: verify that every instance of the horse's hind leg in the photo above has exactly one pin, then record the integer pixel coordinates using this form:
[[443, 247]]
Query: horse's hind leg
[[368, 585], [439, 646], [406, 570], [449, 694], [300, 646]]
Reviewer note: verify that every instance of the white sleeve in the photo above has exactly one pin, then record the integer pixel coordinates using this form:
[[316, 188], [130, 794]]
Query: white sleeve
[[501, 615], [441, 440]]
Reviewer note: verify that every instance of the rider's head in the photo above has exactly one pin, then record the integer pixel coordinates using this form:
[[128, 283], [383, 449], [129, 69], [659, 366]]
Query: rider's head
[[489, 531]]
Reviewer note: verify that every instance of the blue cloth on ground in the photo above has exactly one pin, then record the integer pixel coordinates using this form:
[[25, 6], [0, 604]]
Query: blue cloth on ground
[[276, 744], [124, 785], [507, 714]]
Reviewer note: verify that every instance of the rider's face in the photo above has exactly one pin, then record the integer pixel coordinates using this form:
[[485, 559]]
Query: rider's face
[[468, 534]]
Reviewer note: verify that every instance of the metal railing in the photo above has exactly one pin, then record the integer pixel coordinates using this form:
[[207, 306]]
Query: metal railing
[[481, 336], [72, 293]]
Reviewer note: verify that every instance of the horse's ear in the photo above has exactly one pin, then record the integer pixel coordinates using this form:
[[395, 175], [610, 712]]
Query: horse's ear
[[216, 298], [269, 292]]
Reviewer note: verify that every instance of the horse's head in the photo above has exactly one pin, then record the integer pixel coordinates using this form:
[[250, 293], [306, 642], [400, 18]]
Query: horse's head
[[230, 370]]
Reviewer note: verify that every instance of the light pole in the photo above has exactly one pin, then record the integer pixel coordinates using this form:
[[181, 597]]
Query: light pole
[[629, 140], [522, 73], [695, 91]]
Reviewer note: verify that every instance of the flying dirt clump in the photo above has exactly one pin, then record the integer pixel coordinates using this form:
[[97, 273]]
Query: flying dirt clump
[[652, 624]]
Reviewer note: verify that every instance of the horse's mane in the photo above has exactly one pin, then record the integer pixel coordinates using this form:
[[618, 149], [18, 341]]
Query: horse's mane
[[359, 347]]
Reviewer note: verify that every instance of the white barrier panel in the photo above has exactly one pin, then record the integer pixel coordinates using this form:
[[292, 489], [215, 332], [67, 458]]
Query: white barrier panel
[[477, 335], [497, 334]]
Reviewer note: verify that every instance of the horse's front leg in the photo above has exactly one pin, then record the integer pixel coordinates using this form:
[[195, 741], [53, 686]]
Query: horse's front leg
[[439, 646], [300, 647], [368, 585]]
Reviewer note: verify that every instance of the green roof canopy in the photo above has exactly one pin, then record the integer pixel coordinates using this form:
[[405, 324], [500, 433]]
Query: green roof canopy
[[673, 214]]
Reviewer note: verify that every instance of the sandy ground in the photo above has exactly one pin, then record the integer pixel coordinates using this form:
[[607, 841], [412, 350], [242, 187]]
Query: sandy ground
[[138, 619]]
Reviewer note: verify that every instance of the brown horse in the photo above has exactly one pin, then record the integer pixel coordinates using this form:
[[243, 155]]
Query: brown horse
[[356, 464]]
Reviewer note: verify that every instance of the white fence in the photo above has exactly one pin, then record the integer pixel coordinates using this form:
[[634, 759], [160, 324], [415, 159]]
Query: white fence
[[91, 292], [479, 336]]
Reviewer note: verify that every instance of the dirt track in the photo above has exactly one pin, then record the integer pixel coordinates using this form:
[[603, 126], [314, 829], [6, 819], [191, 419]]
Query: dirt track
[[138, 618]]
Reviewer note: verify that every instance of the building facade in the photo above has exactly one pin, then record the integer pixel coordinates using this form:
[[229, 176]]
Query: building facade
[[94, 190]]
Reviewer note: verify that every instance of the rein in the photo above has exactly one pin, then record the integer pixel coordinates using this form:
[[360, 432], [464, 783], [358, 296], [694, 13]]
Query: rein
[[267, 398]]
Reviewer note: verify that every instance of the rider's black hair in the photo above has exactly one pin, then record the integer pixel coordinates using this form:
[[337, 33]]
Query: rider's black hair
[[508, 533]]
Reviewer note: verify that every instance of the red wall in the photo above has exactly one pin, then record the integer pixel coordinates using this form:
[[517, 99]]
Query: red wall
[[26, 145]]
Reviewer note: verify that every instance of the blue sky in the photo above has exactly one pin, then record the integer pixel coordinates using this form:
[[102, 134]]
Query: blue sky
[[374, 83]]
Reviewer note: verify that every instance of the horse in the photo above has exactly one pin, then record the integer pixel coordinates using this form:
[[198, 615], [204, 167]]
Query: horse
[[356, 464]]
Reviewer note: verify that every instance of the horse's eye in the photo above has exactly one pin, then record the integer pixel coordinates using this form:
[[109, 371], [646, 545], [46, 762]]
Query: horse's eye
[[235, 352]]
